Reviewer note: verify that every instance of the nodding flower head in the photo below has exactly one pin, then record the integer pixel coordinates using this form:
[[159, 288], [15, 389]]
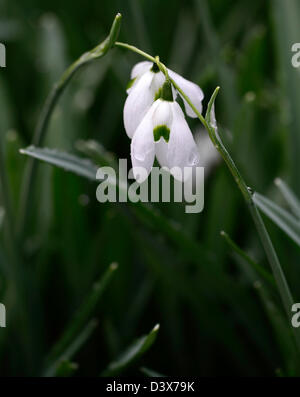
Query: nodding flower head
[[164, 133], [145, 87]]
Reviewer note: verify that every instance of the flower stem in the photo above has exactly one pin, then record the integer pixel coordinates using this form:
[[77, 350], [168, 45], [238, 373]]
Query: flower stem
[[135, 49]]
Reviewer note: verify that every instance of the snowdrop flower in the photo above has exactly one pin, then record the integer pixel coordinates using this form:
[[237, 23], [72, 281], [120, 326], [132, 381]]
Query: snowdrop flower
[[164, 133], [145, 87]]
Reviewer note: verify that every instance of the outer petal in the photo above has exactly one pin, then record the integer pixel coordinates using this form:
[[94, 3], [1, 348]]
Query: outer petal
[[138, 102], [137, 71], [162, 115], [143, 146], [192, 90], [182, 150], [140, 68]]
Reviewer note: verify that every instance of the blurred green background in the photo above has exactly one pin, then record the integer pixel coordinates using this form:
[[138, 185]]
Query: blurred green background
[[174, 269]]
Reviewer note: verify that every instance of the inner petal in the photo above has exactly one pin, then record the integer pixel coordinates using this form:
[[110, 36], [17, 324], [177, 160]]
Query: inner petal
[[162, 114]]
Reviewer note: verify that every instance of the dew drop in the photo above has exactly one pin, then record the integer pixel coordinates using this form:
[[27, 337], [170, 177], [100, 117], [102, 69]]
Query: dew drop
[[193, 158]]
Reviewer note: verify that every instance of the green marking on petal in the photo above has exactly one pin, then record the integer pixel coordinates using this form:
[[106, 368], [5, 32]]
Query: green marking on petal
[[161, 131], [157, 94], [130, 83]]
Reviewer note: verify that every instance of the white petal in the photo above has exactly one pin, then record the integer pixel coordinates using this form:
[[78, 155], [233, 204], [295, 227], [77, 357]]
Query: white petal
[[162, 114], [192, 90], [182, 149], [137, 72], [143, 146], [158, 81], [140, 68], [161, 152], [138, 102]]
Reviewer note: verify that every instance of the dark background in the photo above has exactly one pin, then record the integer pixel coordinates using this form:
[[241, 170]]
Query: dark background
[[212, 320]]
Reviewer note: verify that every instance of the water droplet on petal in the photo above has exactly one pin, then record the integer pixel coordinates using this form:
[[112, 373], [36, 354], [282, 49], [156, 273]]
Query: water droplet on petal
[[142, 153], [193, 158], [139, 156]]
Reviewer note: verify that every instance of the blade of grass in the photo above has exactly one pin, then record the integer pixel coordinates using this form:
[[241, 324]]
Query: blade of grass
[[178, 281], [259, 269], [82, 315], [279, 216], [69, 162], [134, 352], [290, 197], [72, 349], [96, 152]]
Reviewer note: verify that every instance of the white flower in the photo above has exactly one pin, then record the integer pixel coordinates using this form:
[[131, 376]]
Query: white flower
[[147, 82], [164, 133]]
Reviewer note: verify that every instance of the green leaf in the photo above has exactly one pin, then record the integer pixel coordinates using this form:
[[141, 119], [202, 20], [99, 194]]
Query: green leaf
[[283, 219], [290, 197], [96, 152], [69, 162], [72, 349], [81, 317], [135, 351]]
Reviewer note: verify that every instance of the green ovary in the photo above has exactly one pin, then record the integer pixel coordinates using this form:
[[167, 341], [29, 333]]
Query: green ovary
[[157, 94]]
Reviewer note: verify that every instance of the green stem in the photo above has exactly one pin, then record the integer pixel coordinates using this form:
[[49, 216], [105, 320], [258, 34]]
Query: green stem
[[156, 59], [264, 236], [42, 126], [135, 49], [279, 276]]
